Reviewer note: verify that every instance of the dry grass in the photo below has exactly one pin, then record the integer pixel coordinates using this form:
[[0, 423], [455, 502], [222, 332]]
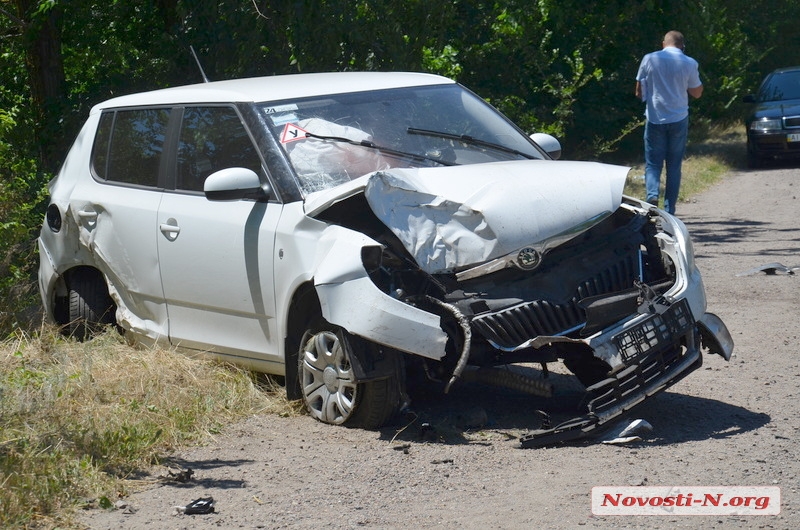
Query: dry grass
[[77, 420]]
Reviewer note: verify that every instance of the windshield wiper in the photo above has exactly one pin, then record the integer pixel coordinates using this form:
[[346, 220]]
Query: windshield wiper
[[469, 140], [371, 145]]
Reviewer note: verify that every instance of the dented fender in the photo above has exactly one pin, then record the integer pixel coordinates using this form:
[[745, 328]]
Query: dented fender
[[350, 299]]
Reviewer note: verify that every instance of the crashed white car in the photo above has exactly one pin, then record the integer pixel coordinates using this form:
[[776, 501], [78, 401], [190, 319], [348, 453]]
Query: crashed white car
[[345, 229]]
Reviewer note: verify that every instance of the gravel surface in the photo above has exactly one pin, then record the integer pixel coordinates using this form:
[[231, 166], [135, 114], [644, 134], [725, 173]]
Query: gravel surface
[[728, 424]]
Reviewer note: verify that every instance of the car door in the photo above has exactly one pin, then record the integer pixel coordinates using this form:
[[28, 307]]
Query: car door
[[116, 212], [216, 257]]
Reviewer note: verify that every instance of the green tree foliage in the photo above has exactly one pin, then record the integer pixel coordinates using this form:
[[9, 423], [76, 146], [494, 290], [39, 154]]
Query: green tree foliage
[[563, 67]]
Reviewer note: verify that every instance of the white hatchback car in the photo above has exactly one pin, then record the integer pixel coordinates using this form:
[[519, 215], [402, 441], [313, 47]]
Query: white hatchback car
[[344, 229]]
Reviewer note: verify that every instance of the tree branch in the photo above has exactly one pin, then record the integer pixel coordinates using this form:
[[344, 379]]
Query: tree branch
[[16, 20]]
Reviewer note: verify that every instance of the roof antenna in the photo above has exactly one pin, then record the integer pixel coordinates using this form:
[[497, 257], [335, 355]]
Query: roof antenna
[[200, 66]]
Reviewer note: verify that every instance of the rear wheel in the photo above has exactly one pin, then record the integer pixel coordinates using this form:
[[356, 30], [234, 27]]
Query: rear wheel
[[329, 385], [90, 306]]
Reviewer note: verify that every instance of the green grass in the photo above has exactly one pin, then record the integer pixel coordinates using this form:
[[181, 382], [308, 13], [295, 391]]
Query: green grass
[[80, 421], [707, 160]]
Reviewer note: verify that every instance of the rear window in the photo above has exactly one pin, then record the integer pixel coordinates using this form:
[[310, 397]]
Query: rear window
[[129, 145]]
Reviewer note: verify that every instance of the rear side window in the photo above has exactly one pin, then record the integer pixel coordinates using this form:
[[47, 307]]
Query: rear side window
[[211, 139], [129, 145]]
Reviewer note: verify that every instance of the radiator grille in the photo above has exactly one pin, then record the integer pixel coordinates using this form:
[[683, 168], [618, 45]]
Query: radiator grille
[[512, 326]]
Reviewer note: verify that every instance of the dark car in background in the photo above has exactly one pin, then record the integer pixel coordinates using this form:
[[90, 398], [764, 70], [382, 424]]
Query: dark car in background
[[773, 124]]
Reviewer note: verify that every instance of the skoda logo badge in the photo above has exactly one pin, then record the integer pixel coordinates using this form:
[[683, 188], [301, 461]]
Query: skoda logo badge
[[528, 258]]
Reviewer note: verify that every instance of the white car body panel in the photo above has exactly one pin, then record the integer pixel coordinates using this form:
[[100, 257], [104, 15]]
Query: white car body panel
[[117, 226], [217, 270], [350, 299]]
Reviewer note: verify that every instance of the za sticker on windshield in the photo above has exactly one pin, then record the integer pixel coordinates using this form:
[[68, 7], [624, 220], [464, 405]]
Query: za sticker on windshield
[[281, 108]]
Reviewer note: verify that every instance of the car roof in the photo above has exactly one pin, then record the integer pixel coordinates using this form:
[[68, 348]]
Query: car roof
[[786, 70], [275, 88]]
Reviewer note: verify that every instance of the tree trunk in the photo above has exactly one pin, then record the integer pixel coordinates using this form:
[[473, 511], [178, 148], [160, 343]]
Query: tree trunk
[[42, 32]]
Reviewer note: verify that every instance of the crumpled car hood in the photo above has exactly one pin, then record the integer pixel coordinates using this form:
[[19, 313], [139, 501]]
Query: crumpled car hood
[[452, 218]]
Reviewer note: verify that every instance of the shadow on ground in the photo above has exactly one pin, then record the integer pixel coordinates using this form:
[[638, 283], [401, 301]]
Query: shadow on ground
[[466, 414]]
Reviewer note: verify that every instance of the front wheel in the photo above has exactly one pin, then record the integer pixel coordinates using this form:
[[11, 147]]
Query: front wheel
[[754, 161], [329, 386]]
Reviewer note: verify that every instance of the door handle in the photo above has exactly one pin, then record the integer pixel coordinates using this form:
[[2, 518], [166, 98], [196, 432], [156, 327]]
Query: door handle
[[87, 215], [88, 219], [170, 229]]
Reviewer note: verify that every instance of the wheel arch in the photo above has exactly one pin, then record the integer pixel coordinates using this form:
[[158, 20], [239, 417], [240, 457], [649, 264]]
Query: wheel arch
[[371, 361], [60, 295], [303, 308], [97, 307]]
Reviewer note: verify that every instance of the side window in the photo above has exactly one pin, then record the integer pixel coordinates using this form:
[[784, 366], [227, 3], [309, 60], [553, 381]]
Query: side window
[[128, 146], [212, 138]]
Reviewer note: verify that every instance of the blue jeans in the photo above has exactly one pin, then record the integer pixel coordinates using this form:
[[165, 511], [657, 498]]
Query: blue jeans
[[664, 143]]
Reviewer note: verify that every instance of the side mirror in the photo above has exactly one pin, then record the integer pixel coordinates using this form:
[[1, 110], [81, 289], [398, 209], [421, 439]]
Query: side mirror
[[749, 98], [234, 184], [548, 143]]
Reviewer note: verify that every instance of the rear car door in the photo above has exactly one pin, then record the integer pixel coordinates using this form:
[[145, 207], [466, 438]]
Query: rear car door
[[116, 212], [216, 257]]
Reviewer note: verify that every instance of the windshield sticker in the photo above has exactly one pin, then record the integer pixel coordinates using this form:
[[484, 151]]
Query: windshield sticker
[[292, 133], [280, 119], [281, 108]]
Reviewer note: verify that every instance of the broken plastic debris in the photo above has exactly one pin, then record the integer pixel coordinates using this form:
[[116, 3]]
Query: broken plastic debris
[[770, 269], [627, 432], [199, 506]]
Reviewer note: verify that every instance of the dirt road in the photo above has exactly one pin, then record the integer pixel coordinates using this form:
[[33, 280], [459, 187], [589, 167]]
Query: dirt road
[[727, 424]]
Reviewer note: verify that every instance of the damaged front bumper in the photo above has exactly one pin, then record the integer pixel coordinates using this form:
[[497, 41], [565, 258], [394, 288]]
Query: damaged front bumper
[[658, 351]]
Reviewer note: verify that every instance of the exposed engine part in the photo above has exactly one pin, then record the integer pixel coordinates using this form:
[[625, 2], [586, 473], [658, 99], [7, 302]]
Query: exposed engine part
[[509, 379]]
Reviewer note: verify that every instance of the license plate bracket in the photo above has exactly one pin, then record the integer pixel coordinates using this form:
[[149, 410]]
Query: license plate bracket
[[657, 331]]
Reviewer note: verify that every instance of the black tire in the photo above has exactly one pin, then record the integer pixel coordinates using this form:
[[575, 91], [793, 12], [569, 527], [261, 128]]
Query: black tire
[[754, 161], [90, 306], [328, 383]]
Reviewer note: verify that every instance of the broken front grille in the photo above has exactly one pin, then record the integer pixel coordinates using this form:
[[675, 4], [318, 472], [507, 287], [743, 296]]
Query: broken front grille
[[511, 327]]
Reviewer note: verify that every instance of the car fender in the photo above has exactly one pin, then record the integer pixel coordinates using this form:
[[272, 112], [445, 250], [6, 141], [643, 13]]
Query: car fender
[[350, 299]]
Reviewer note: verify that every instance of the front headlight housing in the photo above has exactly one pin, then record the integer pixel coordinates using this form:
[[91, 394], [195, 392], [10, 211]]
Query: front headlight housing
[[773, 124]]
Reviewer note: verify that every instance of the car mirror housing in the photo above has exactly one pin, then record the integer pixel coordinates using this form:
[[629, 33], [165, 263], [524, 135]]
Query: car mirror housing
[[548, 143], [233, 184]]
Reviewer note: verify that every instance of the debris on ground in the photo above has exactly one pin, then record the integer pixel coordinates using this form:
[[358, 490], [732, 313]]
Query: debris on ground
[[771, 269], [201, 506], [627, 432]]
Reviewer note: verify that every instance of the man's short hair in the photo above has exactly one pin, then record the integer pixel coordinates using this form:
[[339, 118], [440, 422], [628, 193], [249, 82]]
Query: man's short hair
[[674, 38]]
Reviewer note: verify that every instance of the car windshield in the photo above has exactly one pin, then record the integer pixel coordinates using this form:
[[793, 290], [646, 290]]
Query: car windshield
[[780, 87], [332, 139]]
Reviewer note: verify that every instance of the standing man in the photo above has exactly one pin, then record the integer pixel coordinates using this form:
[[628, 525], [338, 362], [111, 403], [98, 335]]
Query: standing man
[[665, 81]]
